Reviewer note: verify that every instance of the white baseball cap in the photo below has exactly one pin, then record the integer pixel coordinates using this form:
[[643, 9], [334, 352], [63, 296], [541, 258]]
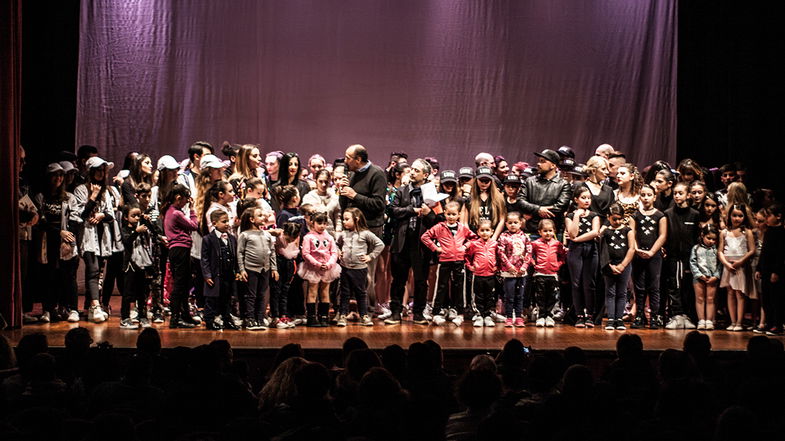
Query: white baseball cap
[[167, 162]]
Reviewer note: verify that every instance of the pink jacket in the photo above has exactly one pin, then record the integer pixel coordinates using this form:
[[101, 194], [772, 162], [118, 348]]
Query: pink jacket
[[453, 247], [548, 256], [481, 257], [515, 253], [318, 249]]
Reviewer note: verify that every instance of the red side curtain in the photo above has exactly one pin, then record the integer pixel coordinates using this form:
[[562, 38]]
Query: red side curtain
[[10, 124]]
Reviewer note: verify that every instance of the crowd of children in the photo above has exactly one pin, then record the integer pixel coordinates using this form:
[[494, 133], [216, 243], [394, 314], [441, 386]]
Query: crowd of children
[[253, 243]]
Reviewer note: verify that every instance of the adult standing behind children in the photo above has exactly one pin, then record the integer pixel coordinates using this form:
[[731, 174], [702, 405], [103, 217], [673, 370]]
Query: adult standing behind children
[[546, 195], [365, 189]]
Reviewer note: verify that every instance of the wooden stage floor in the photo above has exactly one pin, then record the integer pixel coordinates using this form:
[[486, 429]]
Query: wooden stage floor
[[379, 336]]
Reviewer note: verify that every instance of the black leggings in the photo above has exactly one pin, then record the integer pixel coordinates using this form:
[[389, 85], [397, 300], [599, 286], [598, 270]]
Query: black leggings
[[113, 275], [449, 287], [180, 265], [646, 278], [137, 286], [256, 295], [582, 261]]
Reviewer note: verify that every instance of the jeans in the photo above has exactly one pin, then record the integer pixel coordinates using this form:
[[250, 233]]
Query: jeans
[[582, 260], [616, 293], [646, 278], [514, 288]]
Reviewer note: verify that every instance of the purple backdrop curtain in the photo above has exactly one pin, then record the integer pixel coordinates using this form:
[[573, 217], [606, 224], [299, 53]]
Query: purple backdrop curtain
[[430, 77]]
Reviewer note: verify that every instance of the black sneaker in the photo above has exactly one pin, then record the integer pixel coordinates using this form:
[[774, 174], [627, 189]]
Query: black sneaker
[[419, 319], [620, 325], [394, 319], [581, 322], [638, 323], [589, 322], [656, 322]]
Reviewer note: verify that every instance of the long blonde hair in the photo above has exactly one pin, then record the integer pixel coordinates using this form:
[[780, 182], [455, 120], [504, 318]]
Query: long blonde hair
[[499, 208], [203, 185], [242, 165]]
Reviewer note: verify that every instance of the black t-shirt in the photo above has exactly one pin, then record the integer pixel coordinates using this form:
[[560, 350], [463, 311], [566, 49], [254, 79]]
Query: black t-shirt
[[486, 212], [601, 202], [514, 206], [616, 242], [647, 228], [584, 223]]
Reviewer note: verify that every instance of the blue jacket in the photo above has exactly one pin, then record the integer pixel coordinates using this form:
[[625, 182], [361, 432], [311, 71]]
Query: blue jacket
[[704, 262]]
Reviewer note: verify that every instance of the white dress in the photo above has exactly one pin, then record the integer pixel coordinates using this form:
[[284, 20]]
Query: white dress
[[735, 248]]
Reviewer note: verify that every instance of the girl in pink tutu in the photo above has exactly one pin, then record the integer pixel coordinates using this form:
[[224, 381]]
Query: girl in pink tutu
[[319, 268]]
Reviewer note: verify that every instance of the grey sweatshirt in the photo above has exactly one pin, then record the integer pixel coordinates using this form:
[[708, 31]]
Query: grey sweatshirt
[[354, 245], [256, 251]]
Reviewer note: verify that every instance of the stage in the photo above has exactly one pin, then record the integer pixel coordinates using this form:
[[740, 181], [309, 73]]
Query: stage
[[449, 336]]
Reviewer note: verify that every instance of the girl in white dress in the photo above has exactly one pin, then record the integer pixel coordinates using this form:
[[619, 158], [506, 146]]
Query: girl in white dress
[[736, 248]]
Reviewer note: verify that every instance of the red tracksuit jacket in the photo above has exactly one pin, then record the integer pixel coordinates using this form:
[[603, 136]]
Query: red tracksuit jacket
[[481, 257], [548, 256], [453, 247]]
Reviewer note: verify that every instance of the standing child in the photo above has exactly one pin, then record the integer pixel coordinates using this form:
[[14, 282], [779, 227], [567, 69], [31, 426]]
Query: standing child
[[137, 265], [319, 269], [178, 229], [737, 246], [771, 269], [651, 230], [706, 271], [448, 239], [583, 227], [761, 225], [358, 247], [220, 268], [549, 255], [481, 261], [618, 247], [710, 212], [257, 264], [515, 252], [682, 236], [287, 248]]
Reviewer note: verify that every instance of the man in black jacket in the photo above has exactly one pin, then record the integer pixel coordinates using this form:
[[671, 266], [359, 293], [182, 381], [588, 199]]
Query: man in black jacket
[[546, 195], [366, 189], [412, 218]]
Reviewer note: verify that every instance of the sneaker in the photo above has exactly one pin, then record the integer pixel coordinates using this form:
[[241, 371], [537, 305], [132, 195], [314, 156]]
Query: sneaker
[[687, 322], [508, 323], [281, 324], [610, 325], [353, 316], [341, 322], [158, 317], [28, 318], [620, 325], [701, 324], [676, 322], [386, 313], [638, 323], [297, 321], [656, 322], [709, 325], [540, 322], [46, 317], [498, 318], [477, 322], [366, 320], [760, 329], [489, 321], [394, 319], [144, 322], [135, 315], [589, 322], [549, 322], [428, 312], [73, 316], [128, 324], [438, 320], [774, 331], [458, 320], [418, 319], [581, 322], [451, 314], [519, 322], [96, 315]]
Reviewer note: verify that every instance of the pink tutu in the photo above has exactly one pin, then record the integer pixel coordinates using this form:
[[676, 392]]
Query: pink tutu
[[314, 275]]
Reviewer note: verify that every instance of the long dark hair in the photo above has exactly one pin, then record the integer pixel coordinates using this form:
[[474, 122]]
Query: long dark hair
[[56, 194], [135, 172], [177, 190], [283, 169], [211, 196], [246, 219]]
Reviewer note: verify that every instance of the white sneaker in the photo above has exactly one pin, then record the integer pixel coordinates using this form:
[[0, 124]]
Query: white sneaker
[[28, 318], [498, 318], [438, 320], [384, 312], [701, 324], [676, 322], [96, 315], [457, 320], [709, 325], [46, 317], [297, 321], [549, 322], [540, 322], [687, 322], [73, 316], [134, 315], [477, 322], [489, 322], [128, 324], [451, 314], [366, 320]]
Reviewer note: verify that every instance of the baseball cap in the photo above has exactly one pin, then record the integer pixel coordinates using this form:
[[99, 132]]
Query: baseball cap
[[167, 162]]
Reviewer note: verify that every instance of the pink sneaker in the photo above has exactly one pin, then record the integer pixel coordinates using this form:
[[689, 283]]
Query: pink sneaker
[[519, 323], [508, 322]]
